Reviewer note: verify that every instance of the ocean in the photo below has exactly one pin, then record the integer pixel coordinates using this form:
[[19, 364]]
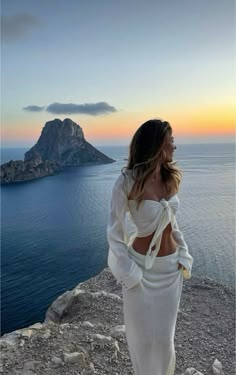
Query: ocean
[[54, 228]]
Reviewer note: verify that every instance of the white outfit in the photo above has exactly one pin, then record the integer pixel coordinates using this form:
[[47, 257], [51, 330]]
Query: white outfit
[[151, 285], [150, 313]]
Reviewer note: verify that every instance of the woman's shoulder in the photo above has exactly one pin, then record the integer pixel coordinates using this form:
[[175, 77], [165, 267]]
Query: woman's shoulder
[[124, 180], [127, 172]]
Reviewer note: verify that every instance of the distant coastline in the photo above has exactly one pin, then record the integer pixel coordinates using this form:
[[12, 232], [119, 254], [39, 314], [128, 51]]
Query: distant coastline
[[17, 153]]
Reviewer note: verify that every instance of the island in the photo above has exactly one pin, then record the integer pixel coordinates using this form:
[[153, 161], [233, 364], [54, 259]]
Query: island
[[61, 144]]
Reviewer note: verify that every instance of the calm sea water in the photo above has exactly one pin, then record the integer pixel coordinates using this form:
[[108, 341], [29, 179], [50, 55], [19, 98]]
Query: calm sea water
[[54, 228]]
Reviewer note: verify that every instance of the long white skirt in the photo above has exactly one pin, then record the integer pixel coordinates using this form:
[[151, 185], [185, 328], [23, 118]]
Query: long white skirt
[[150, 313]]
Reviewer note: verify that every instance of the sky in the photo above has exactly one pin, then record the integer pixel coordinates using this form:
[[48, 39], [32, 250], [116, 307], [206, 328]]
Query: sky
[[111, 65]]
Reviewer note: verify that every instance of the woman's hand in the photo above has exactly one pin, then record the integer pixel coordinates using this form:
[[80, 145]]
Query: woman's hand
[[181, 266]]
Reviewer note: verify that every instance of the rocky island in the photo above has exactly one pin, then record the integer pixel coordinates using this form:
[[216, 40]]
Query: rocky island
[[61, 144], [84, 333]]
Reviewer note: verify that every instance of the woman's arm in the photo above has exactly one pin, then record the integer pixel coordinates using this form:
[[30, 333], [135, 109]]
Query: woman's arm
[[184, 257], [125, 270]]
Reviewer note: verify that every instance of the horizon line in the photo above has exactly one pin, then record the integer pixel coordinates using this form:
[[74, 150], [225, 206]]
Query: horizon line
[[127, 145]]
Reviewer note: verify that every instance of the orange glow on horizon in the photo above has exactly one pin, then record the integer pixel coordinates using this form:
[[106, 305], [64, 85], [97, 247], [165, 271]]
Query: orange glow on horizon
[[208, 121], [122, 125], [205, 122]]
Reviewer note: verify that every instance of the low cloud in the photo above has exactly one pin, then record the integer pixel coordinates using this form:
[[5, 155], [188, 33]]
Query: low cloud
[[33, 108], [93, 109], [14, 27]]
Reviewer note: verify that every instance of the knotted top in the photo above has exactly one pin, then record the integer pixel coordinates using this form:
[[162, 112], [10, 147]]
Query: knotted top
[[152, 217]]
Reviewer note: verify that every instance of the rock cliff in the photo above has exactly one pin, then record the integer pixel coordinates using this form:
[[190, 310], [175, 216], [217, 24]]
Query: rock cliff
[[84, 333], [60, 144], [18, 170], [64, 142]]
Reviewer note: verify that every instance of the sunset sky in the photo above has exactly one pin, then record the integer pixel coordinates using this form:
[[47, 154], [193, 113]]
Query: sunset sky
[[110, 65]]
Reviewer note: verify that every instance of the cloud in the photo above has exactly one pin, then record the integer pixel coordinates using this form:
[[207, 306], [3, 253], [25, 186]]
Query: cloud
[[93, 109], [14, 27], [33, 108]]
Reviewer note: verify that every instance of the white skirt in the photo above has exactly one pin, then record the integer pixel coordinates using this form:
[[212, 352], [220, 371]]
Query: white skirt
[[150, 313]]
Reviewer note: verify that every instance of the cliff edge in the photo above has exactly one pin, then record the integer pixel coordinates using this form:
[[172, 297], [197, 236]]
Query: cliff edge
[[84, 333]]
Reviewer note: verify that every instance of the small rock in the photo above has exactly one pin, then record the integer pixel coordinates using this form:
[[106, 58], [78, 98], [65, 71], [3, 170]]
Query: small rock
[[105, 294], [57, 361], [87, 324], [217, 367], [117, 349], [102, 337], [36, 326], [101, 340], [116, 346], [91, 366], [27, 333], [118, 331], [75, 357], [192, 371]]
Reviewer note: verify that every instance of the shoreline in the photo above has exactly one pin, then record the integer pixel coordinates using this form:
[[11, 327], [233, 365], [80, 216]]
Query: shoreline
[[84, 331]]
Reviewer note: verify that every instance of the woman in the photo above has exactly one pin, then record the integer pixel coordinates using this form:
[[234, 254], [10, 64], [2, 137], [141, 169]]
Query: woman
[[150, 264]]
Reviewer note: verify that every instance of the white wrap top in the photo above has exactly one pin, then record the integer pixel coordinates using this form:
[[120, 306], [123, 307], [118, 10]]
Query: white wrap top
[[151, 217]]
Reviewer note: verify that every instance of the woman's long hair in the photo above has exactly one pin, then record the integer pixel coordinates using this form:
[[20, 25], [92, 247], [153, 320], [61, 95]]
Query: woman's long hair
[[145, 149]]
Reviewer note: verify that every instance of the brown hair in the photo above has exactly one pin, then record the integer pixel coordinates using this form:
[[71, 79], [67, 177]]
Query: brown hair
[[145, 150]]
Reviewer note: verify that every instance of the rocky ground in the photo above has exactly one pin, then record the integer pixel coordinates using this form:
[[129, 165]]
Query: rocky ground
[[84, 333]]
